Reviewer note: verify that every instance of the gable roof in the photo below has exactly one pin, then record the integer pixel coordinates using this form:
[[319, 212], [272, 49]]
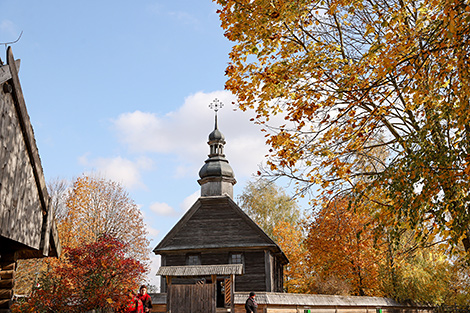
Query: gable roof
[[217, 222], [39, 237]]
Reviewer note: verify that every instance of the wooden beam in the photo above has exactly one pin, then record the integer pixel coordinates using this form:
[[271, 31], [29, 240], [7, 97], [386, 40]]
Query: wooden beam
[[5, 303], [5, 73], [6, 294], [268, 271], [6, 274], [7, 283], [45, 244], [28, 133]]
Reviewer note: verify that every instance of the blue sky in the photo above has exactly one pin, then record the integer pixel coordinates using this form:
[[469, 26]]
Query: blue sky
[[122, 89]]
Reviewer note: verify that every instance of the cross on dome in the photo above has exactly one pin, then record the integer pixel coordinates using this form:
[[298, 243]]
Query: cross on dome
[[216, 105], [217, 177]]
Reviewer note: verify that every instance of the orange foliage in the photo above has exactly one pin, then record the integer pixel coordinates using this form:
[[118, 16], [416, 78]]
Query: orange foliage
[[92, 276], [343, 252], [93, 208], [297, 276]]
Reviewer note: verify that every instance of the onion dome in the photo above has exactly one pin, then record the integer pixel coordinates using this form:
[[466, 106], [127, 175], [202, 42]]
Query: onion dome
[[217, 177]]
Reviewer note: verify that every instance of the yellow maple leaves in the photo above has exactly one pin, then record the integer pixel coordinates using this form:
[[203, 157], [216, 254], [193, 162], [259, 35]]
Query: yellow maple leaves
[[352, 77]]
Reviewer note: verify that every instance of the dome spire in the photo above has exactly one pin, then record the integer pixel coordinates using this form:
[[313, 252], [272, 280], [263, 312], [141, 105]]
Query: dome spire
[[216, 175], [216, 105]]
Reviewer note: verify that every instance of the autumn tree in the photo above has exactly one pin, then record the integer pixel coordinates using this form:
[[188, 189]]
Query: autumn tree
[[96, 206], [93, 276], [349, 252], [59, 189], [85, 210], [424, 276], [351, 76], [267, 204], [343, 251], [298, 277]]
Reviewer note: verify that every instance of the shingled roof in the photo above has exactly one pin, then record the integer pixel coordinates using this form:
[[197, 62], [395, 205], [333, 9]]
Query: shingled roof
[[316, 300], [217, 222], [201, 270]]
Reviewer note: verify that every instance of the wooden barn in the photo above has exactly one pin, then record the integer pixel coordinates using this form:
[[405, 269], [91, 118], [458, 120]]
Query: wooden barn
[[27, 227], [216, 249]]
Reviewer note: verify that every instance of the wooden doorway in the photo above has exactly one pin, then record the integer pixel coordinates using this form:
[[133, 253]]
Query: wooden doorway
[[198, 298]]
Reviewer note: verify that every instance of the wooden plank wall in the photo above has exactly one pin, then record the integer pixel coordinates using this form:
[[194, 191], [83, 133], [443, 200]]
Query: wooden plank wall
[[21, 214], [192, 299], [254, 278], [255, 272], [278, 272]]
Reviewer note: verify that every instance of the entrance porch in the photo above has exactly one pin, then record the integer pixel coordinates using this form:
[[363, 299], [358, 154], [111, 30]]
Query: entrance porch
[[200, 288]]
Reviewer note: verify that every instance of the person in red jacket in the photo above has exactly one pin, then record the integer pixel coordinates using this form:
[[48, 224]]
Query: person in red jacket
[[135, 305], [145, 298]]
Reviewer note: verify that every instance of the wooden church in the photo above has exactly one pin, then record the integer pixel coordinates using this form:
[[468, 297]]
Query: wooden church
[[216, 249], [215, 255], [27, 227]]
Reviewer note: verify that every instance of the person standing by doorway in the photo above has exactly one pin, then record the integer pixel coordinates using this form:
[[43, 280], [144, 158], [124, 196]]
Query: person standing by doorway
[[250, 305], [145, 298]]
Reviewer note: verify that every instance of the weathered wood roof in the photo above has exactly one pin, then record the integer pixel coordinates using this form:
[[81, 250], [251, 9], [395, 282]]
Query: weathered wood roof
[[201, 270], [306, 300], [216, 222], [315, 300], [29, 226]]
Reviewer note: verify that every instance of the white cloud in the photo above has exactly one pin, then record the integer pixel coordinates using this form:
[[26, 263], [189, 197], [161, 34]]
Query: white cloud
[[137, 130], [162, 209], [121, 170], [165, 209], [189, 201], [155, 265], [184, 133], [184, 170], [153, 232]]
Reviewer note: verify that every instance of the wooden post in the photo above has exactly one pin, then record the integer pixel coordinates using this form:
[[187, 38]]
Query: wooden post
[[168, 293], [268, 271], [214, 284], [232, 293]]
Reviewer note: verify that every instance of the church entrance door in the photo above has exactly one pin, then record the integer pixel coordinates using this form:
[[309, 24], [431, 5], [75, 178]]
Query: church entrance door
[[198, 298]]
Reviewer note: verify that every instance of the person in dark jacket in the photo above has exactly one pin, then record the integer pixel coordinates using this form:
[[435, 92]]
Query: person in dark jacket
[[145, 298], [250, 305]]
